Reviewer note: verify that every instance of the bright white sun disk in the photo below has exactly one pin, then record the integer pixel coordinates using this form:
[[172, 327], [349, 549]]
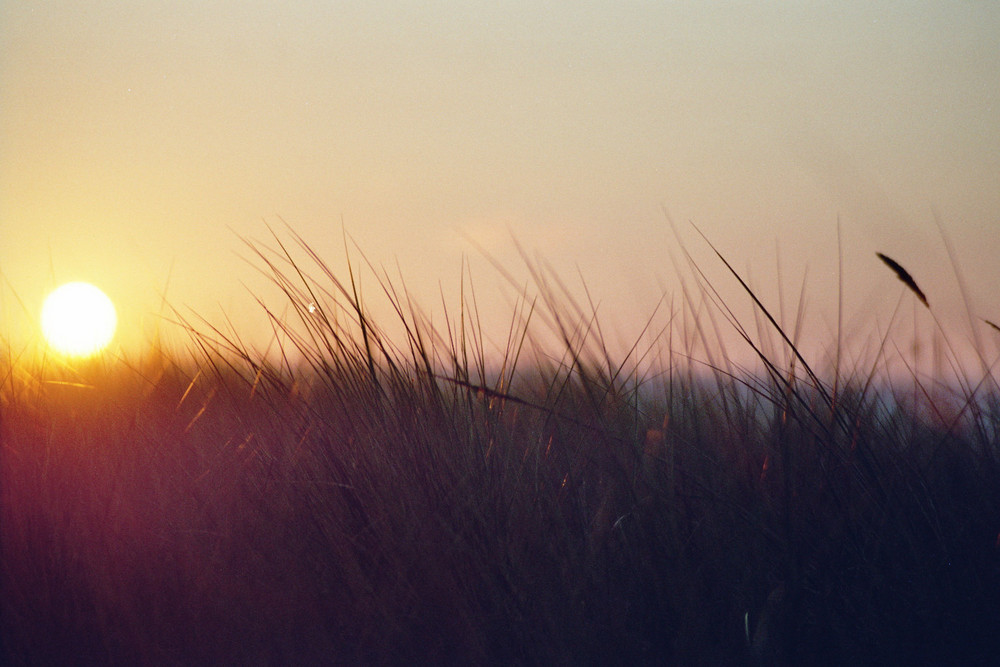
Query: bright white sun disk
[[78, 319]]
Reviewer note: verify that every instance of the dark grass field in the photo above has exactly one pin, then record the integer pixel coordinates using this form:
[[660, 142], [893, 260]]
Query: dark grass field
[[351, 499]]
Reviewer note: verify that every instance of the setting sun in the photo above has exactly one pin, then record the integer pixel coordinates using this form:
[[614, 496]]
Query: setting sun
[[78, 319]]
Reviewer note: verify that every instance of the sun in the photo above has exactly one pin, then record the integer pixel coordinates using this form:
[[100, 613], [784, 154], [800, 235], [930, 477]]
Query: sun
[[78, 319]]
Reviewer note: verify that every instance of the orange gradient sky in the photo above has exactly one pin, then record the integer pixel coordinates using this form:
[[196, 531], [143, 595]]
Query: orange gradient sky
[[140, 140]]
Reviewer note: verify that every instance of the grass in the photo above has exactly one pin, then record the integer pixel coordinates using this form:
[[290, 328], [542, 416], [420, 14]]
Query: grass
[[350, 498]]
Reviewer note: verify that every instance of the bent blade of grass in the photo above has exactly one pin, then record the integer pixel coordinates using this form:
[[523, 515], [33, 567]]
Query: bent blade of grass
[[904, 276], [817, 383]]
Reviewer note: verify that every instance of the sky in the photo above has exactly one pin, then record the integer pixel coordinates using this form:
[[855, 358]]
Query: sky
[[142, 143]]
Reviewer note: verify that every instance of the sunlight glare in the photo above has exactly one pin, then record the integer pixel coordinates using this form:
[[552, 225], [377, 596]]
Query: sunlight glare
[[78, 319]]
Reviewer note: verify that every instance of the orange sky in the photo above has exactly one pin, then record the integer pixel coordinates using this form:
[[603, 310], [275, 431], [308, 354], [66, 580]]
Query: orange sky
[[140, 140]]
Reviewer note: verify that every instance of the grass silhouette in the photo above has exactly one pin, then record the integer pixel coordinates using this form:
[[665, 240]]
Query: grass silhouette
[[347, 498]]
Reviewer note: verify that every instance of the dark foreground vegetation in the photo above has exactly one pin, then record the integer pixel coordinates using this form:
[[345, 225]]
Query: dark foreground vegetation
[[351, 499]]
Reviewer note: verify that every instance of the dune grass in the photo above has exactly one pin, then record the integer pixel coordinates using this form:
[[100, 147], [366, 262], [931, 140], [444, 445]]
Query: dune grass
[[349, 498]]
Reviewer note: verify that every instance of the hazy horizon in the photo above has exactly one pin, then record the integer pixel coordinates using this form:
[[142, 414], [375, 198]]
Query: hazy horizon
[[141, 142]]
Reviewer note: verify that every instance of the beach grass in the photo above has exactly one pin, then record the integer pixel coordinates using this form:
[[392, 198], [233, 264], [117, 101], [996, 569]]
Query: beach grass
[[351, 497]]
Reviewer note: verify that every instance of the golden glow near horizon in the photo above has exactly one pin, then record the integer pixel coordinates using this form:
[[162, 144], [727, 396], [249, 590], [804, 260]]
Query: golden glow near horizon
[[78, 319], [140, 141]]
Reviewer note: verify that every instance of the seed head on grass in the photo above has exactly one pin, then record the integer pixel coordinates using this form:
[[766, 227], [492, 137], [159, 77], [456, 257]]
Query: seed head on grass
[[905, 276]]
